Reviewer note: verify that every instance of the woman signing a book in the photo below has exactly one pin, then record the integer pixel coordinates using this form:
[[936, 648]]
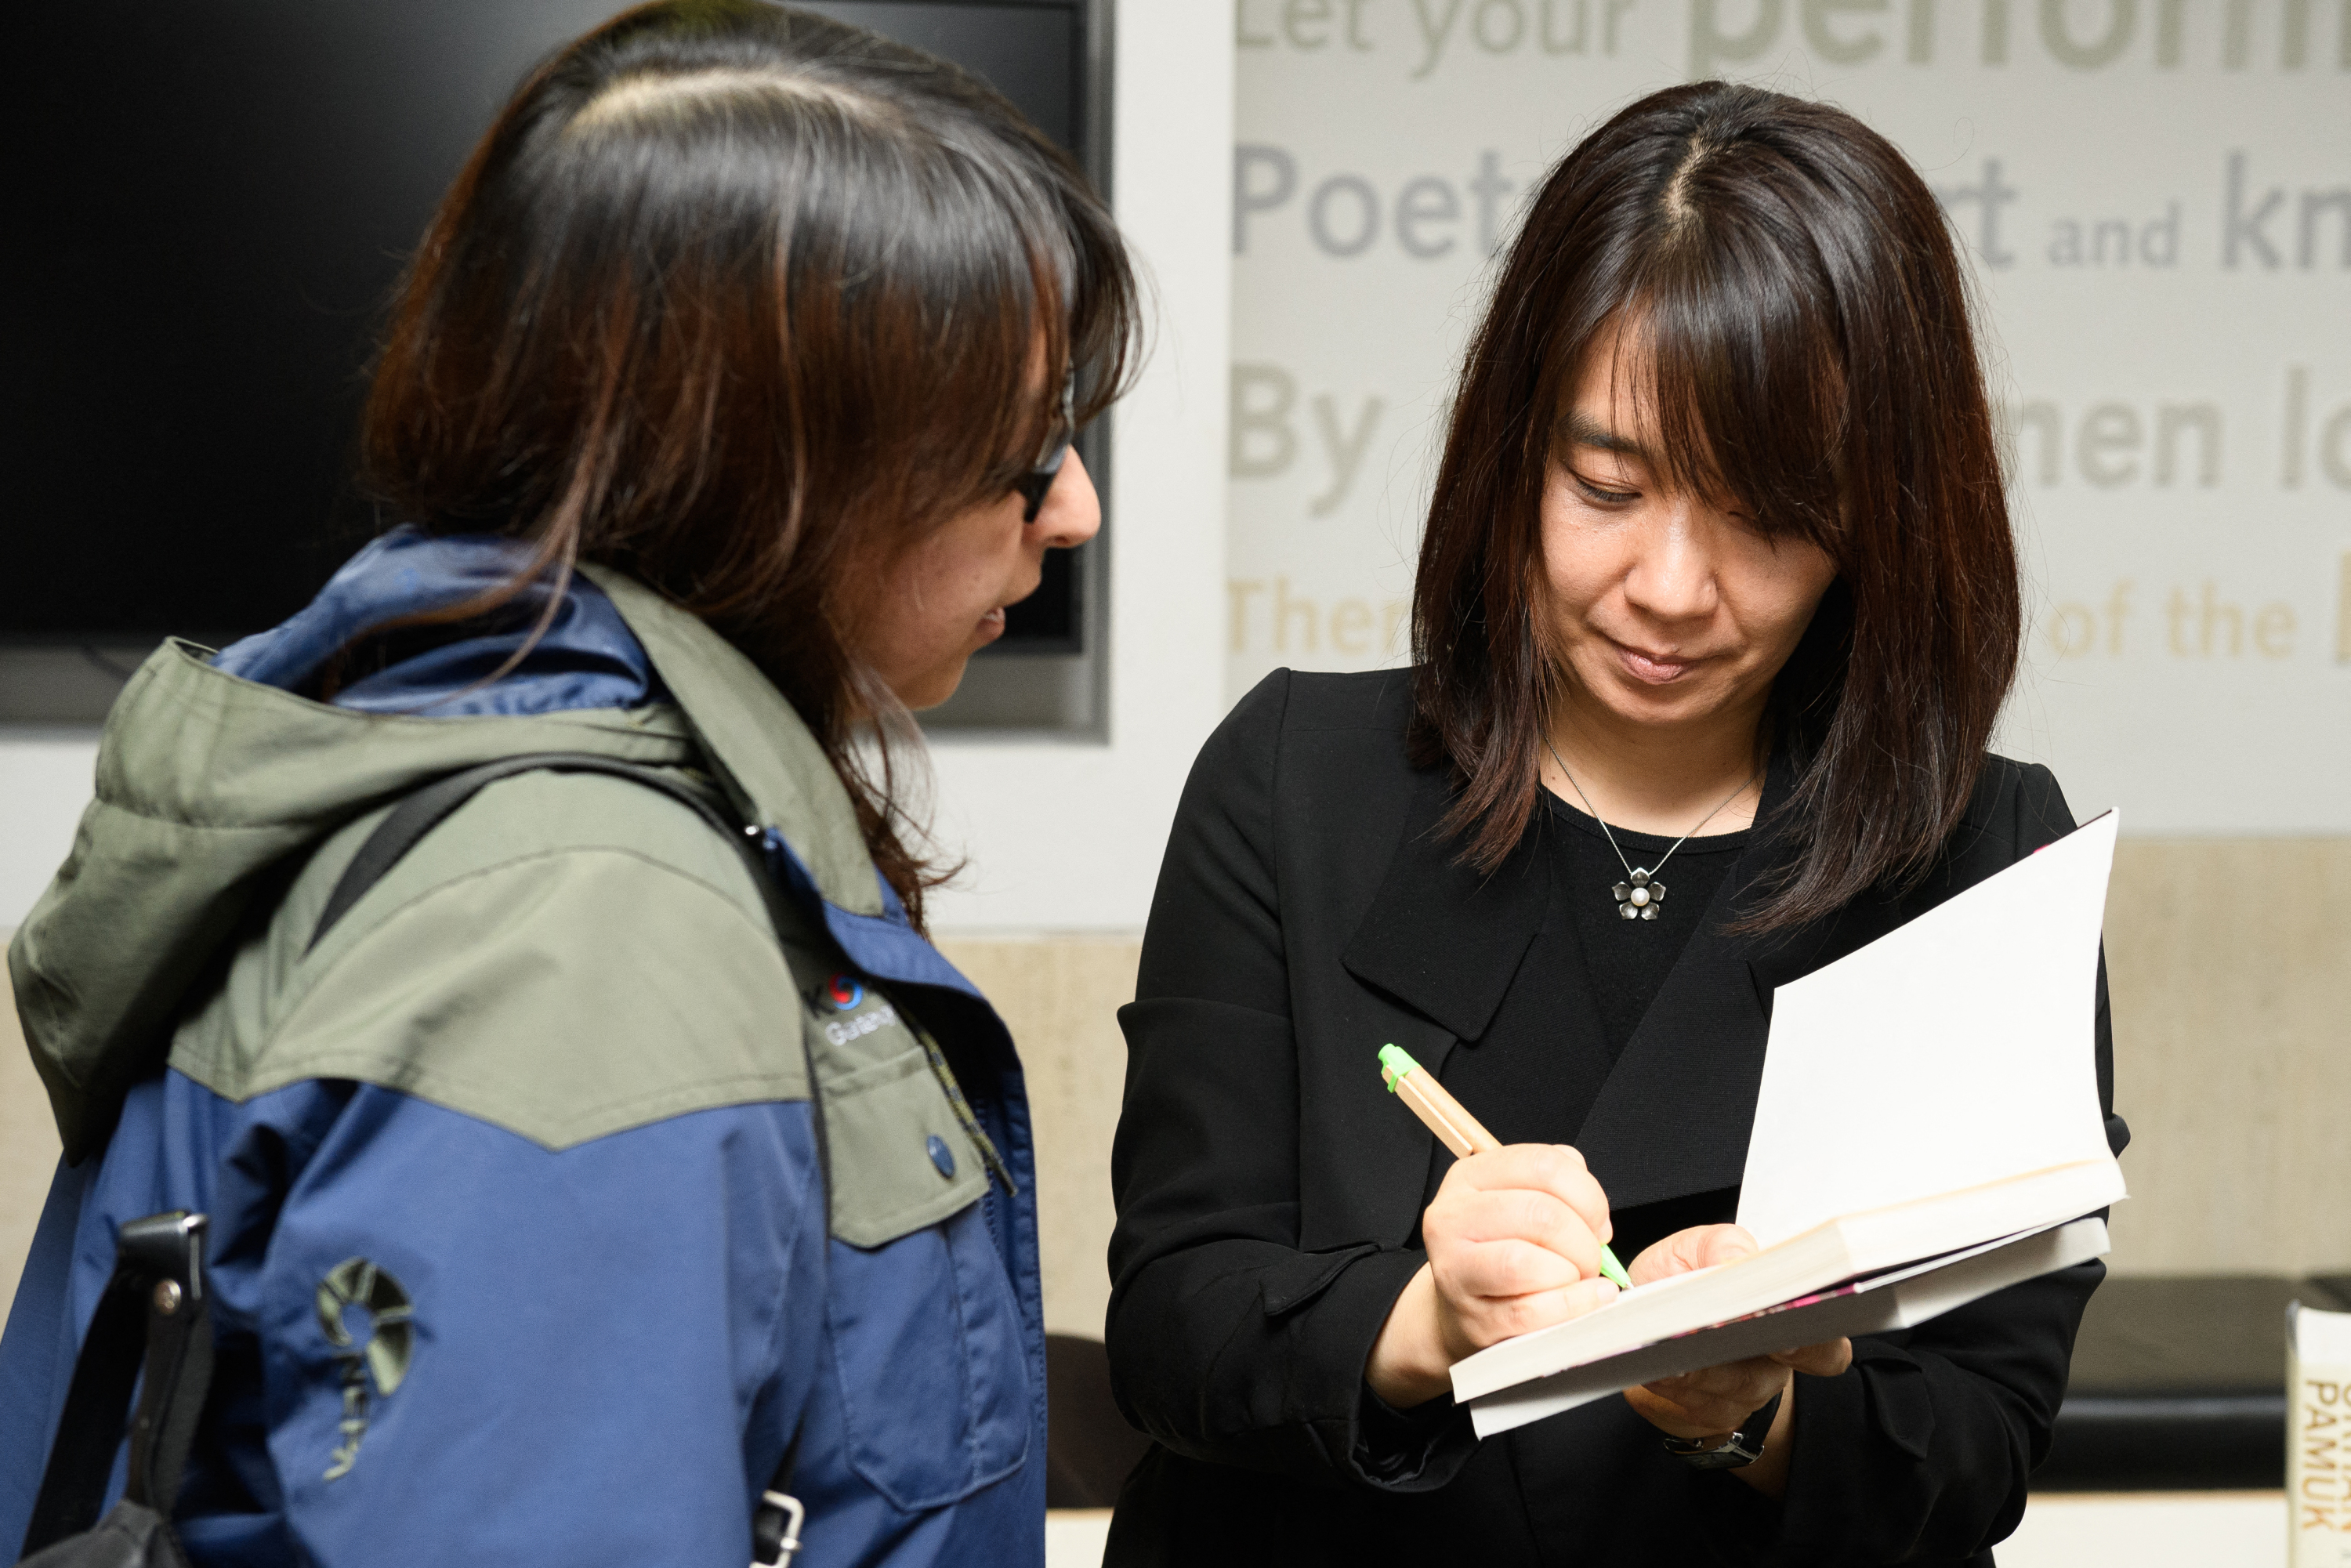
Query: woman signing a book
[[1716, 606]]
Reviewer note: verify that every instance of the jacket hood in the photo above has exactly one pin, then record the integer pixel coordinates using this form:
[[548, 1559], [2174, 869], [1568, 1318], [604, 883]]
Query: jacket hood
[[210, 790], [213, 789]]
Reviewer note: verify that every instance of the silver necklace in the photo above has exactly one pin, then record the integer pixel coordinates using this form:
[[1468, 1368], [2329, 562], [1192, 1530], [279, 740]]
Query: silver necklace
[[1640, 893]]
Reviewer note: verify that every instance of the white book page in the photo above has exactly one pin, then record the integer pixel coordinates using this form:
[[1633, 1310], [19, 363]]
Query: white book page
[[1953, 1052]]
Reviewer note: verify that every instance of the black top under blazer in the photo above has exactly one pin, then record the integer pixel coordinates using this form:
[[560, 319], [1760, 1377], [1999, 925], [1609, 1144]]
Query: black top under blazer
[[1269, 1191]]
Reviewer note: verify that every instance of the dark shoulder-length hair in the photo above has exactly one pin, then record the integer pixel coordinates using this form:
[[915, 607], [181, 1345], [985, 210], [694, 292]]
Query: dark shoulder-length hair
[[744, 302], [1795, 285]]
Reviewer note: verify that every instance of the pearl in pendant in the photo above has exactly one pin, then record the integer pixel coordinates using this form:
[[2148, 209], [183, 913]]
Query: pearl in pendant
[[1640, 897]]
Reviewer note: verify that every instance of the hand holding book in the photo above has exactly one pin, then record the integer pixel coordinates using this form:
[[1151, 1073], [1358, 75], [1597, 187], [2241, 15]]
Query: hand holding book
[[1716, 1400], [1517, 1240]]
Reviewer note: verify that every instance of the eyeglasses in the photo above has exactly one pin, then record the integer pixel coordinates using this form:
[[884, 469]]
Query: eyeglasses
[[1034, 485]]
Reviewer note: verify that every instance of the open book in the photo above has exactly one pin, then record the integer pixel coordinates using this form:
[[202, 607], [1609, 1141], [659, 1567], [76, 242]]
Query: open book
[[1927, 1131]]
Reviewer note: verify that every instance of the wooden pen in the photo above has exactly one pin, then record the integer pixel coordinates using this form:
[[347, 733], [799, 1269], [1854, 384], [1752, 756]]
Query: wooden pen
[[1456, 1128]]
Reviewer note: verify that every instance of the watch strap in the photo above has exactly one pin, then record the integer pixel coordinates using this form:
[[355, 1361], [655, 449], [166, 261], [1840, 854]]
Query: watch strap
[[1741, 1448]]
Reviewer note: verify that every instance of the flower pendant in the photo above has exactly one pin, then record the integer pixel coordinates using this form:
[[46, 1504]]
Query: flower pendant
[[1639, 898]]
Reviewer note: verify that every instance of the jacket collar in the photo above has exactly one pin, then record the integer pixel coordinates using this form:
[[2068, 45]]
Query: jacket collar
[[1674, 1116], [769, 759], [782, 779], [530, 657]]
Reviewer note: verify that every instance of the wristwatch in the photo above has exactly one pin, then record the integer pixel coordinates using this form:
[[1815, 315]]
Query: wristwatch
[[1742, 1447]]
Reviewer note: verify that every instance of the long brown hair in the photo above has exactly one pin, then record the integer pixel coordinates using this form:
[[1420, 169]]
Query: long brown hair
[[744, 301], [1795, 285]]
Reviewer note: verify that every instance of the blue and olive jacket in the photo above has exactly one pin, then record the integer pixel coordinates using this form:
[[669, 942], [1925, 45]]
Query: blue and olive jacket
[[523, 1240]]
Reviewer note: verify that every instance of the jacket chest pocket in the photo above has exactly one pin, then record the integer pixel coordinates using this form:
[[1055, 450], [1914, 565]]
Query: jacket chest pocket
[[926, 1334]]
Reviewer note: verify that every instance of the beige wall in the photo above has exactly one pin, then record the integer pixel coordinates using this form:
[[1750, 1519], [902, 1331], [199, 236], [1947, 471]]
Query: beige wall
[[2230, 962], [2231, 965]]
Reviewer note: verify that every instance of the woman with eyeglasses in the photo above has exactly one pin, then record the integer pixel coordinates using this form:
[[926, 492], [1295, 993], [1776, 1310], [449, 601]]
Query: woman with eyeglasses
[[602, 1156]]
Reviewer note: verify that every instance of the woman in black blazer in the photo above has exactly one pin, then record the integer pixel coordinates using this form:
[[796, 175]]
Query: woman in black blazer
[[1716, 606]]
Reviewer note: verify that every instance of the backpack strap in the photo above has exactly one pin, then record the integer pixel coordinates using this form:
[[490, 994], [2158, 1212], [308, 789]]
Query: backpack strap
[[776, 1520], [157, 1296], [426, 809]]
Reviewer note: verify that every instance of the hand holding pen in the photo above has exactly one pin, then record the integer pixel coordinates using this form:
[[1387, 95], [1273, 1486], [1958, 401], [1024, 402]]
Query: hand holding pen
[[1457, 1130], [1517, 1240], [1441, 1306]]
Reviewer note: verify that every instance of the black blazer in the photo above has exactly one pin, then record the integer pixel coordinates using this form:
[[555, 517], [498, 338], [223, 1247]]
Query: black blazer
[[1269, 1192]]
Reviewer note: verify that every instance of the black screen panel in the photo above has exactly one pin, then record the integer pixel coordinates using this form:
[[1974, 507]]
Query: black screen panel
[[210, 203]]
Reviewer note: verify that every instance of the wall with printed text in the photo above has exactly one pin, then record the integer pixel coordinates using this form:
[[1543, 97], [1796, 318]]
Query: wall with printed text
[[2154, 194]]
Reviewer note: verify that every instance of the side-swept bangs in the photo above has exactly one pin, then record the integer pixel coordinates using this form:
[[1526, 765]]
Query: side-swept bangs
[[1796, 303]]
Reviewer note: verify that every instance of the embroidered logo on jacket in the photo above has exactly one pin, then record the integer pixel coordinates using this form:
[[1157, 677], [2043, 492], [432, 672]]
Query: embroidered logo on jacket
[[863, 1024], [366, 1316], [842, 993]]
